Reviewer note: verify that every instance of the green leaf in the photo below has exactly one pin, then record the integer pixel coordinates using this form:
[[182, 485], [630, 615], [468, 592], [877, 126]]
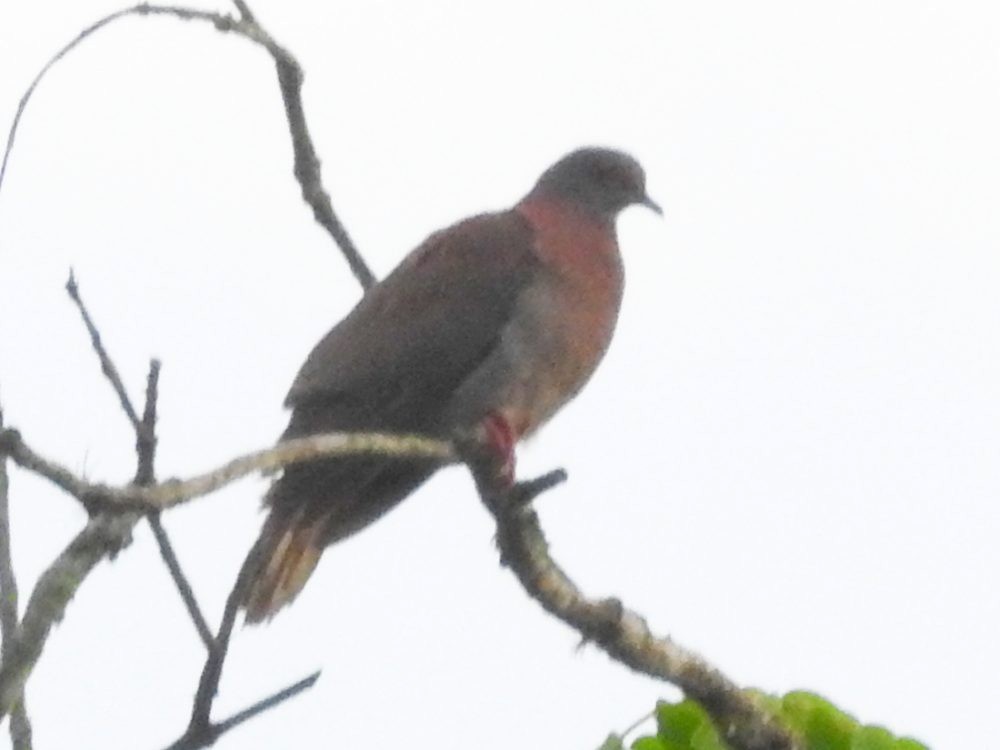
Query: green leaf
[[679, 721], [707, 738], [822, 726], [653, 743], [873, 738], [798, 707], [829, 729]]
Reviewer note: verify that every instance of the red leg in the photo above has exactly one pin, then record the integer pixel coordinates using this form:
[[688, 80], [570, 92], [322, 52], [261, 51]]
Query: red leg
[[502, 438]]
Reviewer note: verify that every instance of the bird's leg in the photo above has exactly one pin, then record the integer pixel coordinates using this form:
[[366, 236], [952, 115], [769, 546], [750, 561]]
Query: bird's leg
[[501, 439]]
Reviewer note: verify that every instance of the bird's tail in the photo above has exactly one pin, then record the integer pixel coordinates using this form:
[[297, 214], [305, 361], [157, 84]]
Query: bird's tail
[[282, 560]]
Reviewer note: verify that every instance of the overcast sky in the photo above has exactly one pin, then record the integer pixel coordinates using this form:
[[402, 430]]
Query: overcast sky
[[788, 461]]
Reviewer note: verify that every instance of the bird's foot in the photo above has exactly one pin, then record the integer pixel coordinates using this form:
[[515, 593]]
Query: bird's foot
[[501, 439]]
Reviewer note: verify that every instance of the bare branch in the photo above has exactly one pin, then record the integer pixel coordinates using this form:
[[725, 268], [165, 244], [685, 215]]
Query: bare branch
[[208, 683], [245, 13], [180, 580], [20, 725], [201, 731], [206, 736], [306, 162], [145, 429], [270, 702], [107, 366], [26, 97], [173, 492], [145, 475], [145, 448], [622, 633], [104, 535], [21, 735]]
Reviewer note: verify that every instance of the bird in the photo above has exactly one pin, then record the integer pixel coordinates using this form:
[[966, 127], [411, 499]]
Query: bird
[[489, 325]]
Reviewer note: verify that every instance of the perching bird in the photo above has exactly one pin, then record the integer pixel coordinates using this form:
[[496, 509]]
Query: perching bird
[[493, 324]]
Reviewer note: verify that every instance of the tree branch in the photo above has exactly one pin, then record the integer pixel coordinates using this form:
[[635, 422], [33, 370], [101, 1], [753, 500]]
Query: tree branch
[[172, 492], [145, 475], [145, 448], [267, 703], [204, 737], [107, 365], [119, 510], [180, 580], [201, 731], [620, 632], [103, 535], [20, 725], [145, 429]]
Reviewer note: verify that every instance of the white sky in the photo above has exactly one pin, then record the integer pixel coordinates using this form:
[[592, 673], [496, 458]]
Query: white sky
[[788, 461]]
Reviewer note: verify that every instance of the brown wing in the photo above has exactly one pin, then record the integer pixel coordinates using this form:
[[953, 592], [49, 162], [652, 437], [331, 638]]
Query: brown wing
[[400, 354], [392, 364]]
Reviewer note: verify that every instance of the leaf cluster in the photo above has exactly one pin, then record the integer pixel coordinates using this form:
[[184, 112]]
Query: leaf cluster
[[819, 724]]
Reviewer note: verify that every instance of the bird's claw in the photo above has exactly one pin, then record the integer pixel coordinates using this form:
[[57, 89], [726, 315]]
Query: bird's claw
[[501, 439]]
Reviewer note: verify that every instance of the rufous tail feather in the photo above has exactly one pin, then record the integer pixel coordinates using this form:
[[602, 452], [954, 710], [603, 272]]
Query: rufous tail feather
[[289, 549]]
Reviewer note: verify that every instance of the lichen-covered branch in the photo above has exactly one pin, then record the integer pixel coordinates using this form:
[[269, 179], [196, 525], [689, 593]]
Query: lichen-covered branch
[[20, 725], [104, 535], [622, 633], [173, 492]]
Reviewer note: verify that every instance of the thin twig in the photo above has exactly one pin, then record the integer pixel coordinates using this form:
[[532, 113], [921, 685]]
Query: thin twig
[[12, 133], [208, 684], [245, 13], [103, 536], [107, 365], [201, 731], [270, 702], [173, 492], [145, 475], [180, 580], [306, 163], [20, 725], [622, 633], [204, 737], [145, 448], [145, 429]]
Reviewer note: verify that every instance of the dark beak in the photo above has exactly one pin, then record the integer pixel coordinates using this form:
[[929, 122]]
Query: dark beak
[[652, 205]]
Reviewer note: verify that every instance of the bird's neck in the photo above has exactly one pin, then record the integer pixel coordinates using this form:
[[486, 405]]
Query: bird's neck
[[580, 249], [568, 234]]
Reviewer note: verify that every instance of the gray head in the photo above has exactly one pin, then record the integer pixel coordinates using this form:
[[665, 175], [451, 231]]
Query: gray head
[[602, 181]]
